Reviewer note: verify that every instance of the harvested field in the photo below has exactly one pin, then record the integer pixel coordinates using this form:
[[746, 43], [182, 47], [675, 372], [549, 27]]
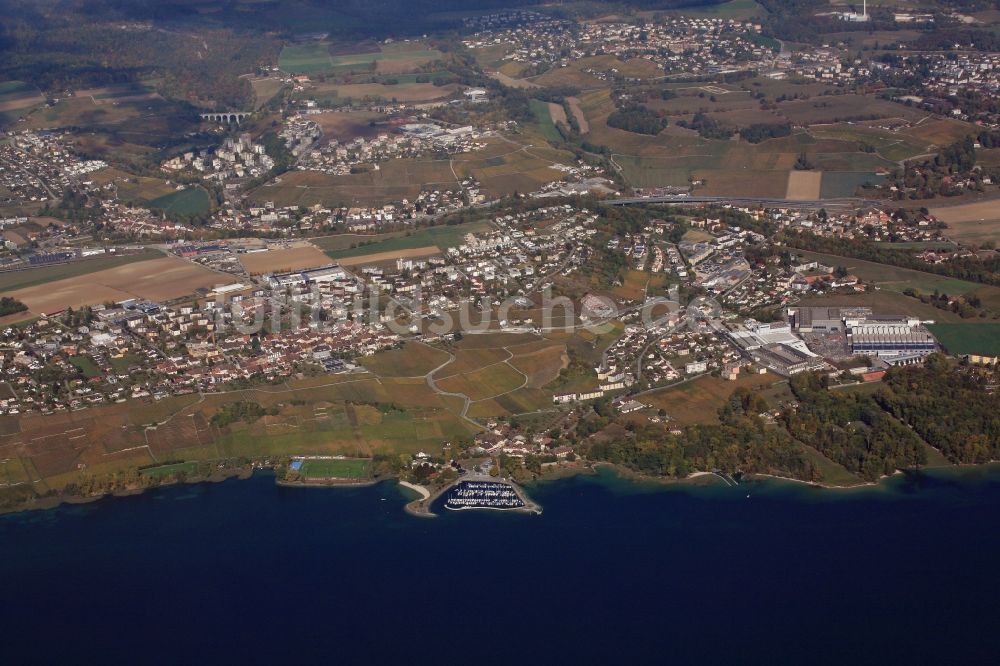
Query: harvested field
[[265, 89], [804, 185], [391, 255], [347, 126], [728, 182], [971, 222], [512, 82], [558, 114], [14, 280], [156, 280], [138, 189], [285, 259]]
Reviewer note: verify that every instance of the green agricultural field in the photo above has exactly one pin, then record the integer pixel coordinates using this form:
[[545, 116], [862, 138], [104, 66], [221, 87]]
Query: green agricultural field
[[307, 58], [9, 88], [349, 241], [837, 184], [960, 339], [336, 468], [402, 54], [16, 99], [444, 237], [175, 469], [190, 201], [654, 171], [314, 57], [31, 277], [544, 120]]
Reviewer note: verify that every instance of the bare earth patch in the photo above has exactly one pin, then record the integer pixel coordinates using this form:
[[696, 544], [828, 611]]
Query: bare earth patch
[[285, 259], [156, 280], [804, 185], [558, 114], [581, 119], [970, 222]]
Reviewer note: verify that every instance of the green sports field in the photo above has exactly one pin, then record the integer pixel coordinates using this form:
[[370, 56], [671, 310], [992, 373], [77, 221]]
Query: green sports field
[[336, 468]]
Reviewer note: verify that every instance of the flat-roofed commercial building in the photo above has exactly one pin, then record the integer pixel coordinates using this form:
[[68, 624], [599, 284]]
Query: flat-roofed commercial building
[[877, 339]]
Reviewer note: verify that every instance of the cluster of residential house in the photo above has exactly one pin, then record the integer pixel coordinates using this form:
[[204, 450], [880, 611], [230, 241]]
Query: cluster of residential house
[[501, 441], [135, 349], [947, 79], [39, 167], [688, 45]]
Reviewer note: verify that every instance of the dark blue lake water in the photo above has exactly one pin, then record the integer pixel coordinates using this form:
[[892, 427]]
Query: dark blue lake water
[[245, 571]]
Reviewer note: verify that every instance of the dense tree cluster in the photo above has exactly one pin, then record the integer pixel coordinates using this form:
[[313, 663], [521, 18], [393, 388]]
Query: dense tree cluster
[[243, 410], [638, 119], [708, 127], [742, 443], [202, 66], [951, 409], [10, 305], [870, 435], [762, 131], [851, 429]]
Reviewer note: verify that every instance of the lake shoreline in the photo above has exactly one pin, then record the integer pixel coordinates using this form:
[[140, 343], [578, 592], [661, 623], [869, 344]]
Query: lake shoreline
[[421, 506]]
